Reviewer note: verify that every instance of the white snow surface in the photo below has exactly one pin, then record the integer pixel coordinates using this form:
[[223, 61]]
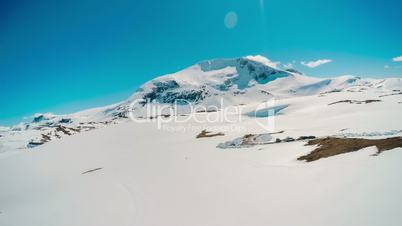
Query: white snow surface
[[158, 177]]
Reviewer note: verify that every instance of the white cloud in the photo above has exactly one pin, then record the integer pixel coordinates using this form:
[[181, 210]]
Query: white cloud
[[313, 64], [264, 60], [397, 59]]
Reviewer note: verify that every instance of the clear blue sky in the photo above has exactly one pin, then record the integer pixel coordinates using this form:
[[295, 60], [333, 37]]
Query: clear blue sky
[[63, 56]]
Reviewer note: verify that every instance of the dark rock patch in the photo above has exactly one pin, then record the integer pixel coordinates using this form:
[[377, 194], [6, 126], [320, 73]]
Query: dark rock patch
[[65, 120], [306, 137], [206, 133], [391, 94], [355, 101], [90, 171], [331, 146]]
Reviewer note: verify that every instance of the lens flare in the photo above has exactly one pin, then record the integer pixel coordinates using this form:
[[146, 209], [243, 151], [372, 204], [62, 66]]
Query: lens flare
[[230, 20]]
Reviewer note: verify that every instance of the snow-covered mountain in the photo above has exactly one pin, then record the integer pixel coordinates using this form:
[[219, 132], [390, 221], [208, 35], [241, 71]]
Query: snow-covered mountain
[[333, 157], [219, 83], [238, 81]]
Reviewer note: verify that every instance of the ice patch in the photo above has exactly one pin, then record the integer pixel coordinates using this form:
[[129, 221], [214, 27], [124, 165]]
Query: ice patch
[[370, 134], [246, 141], [267, 112]]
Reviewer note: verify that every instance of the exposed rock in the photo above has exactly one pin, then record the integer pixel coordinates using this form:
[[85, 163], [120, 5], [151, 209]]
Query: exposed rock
[[392, 94], [306, 137], [65, 120], [90, 171], [331, 146], [33, 144], [45, 138], [42, 117], [288, 139], [355, 101], [207, 110], [206, 133], [332, 91], [63, 129]]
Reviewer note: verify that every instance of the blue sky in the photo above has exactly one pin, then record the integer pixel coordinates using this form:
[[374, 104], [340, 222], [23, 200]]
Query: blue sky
[[64, 56]]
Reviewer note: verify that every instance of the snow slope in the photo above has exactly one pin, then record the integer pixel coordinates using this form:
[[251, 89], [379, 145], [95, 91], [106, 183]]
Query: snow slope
[[152, 176]]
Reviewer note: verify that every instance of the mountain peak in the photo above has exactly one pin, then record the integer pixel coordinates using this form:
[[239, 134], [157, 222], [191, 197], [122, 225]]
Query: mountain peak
[[212, 79], [219, 63]]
